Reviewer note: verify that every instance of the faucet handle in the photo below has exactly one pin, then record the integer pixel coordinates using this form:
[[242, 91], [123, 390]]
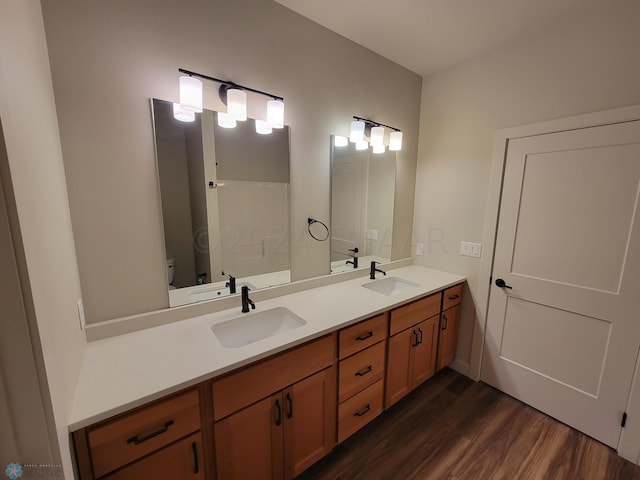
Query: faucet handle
[[354, 250]]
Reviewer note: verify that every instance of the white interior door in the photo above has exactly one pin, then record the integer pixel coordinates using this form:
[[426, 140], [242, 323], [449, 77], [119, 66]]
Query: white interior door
[[565, 337]]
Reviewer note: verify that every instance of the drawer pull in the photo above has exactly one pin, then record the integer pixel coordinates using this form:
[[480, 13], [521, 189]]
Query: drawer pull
[[445, 323], [364, 337], [454, 297], [362, 373], [420, 332], [278, 413], [140, 440], [363, 411], [196, 466], [414, 343]]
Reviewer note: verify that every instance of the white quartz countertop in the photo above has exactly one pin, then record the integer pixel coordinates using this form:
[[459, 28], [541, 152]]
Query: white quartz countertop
[[123, 372]]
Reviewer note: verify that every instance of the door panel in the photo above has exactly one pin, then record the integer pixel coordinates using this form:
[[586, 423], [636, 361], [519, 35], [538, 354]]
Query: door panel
[[565, 337]]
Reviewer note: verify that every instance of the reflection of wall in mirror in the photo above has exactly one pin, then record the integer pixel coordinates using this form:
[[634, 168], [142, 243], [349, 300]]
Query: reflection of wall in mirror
[[362, 191], [181, 178]]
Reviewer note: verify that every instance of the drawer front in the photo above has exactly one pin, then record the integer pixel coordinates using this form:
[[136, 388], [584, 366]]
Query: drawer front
[[134, 435], [257, 381], [359, 410], [408, 315], [362, 335], [452, 296], [361, 370]]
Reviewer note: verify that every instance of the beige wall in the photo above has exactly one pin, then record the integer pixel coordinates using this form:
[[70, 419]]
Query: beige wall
[[47, 261], [587, 64], [111, 57]]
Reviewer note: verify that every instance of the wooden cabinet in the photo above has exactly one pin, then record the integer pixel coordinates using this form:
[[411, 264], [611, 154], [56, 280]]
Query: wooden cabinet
[[283, 433], [411, 356], [182, 460], [361, 374], [143, 439], [448, 329]]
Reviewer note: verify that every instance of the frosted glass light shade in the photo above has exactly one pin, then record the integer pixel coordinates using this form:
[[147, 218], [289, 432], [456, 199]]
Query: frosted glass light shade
[[357, 131], [378, 148], [237, 104], [226, 121], [377, 136], [183, 115], [362, 145], [191, 94], [395, 141], [275, 113], [263, 127], [340, 141]]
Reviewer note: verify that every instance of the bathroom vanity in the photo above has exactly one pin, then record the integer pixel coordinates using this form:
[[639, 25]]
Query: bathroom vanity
[[174, 402]]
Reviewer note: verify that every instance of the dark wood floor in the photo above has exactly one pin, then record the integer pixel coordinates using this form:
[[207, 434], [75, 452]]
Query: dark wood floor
[[455, 429]]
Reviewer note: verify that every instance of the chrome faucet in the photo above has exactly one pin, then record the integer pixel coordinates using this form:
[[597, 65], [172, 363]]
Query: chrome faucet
[[353, 262], [246, 301], [231, 284], [372, 275]]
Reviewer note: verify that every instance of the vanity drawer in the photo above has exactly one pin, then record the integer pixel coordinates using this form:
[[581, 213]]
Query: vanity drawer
[[415, 312], [129, 437], [452, 296], [257, 381], [359, 410], [362, 335], [361, 370]]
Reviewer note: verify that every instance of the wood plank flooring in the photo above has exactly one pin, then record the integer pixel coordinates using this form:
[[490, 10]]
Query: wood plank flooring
[[452, 428]]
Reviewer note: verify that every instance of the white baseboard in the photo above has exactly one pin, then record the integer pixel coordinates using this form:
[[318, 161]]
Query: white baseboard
[[460, 367]]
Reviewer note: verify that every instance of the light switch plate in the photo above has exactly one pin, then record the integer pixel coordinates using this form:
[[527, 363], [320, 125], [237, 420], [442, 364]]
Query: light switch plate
[[372, 234], [419, 248], [469, 249]]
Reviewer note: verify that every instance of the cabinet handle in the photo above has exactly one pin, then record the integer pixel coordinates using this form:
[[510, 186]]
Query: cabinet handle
[[196, 466], [290, 403], [278, 413], [445, 323], [454, 297], [363, 411], [414, 342], [420, 332], [140, 440], [362, 373], [364, 337]]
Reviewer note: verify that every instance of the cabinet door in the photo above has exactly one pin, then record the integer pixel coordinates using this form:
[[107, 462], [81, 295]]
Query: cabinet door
[[400, 365], [424, 354], [310, 421], [249, 443], [181, 460], [448, 336]]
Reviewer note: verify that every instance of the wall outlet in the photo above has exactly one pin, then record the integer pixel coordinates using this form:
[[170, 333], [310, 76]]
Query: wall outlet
[[419, 248], [372, 234], [469, 249], [81, 314]]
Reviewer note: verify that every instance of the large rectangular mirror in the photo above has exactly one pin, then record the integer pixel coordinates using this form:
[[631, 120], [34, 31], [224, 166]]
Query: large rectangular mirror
[[225, 205], [362, 198]]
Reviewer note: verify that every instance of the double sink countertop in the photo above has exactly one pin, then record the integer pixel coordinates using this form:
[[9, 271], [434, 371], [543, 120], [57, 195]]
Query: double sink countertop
[[126, 371]]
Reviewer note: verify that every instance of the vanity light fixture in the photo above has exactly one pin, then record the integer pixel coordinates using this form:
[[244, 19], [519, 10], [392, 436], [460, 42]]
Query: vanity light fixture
[[183, 115], [363, 145], [263, 127], [340, 141], [226, 121], [378, 148], [361, 127], [233, 95]]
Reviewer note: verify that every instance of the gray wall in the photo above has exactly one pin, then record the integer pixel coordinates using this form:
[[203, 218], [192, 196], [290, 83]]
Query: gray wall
[[586, 64], [108, 58]]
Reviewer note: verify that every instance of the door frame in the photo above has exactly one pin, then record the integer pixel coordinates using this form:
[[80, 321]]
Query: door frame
[[629, 446]]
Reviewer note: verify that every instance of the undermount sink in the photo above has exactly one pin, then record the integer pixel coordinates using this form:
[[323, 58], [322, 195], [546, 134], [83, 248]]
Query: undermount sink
[[257, 326], [391, 286]]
